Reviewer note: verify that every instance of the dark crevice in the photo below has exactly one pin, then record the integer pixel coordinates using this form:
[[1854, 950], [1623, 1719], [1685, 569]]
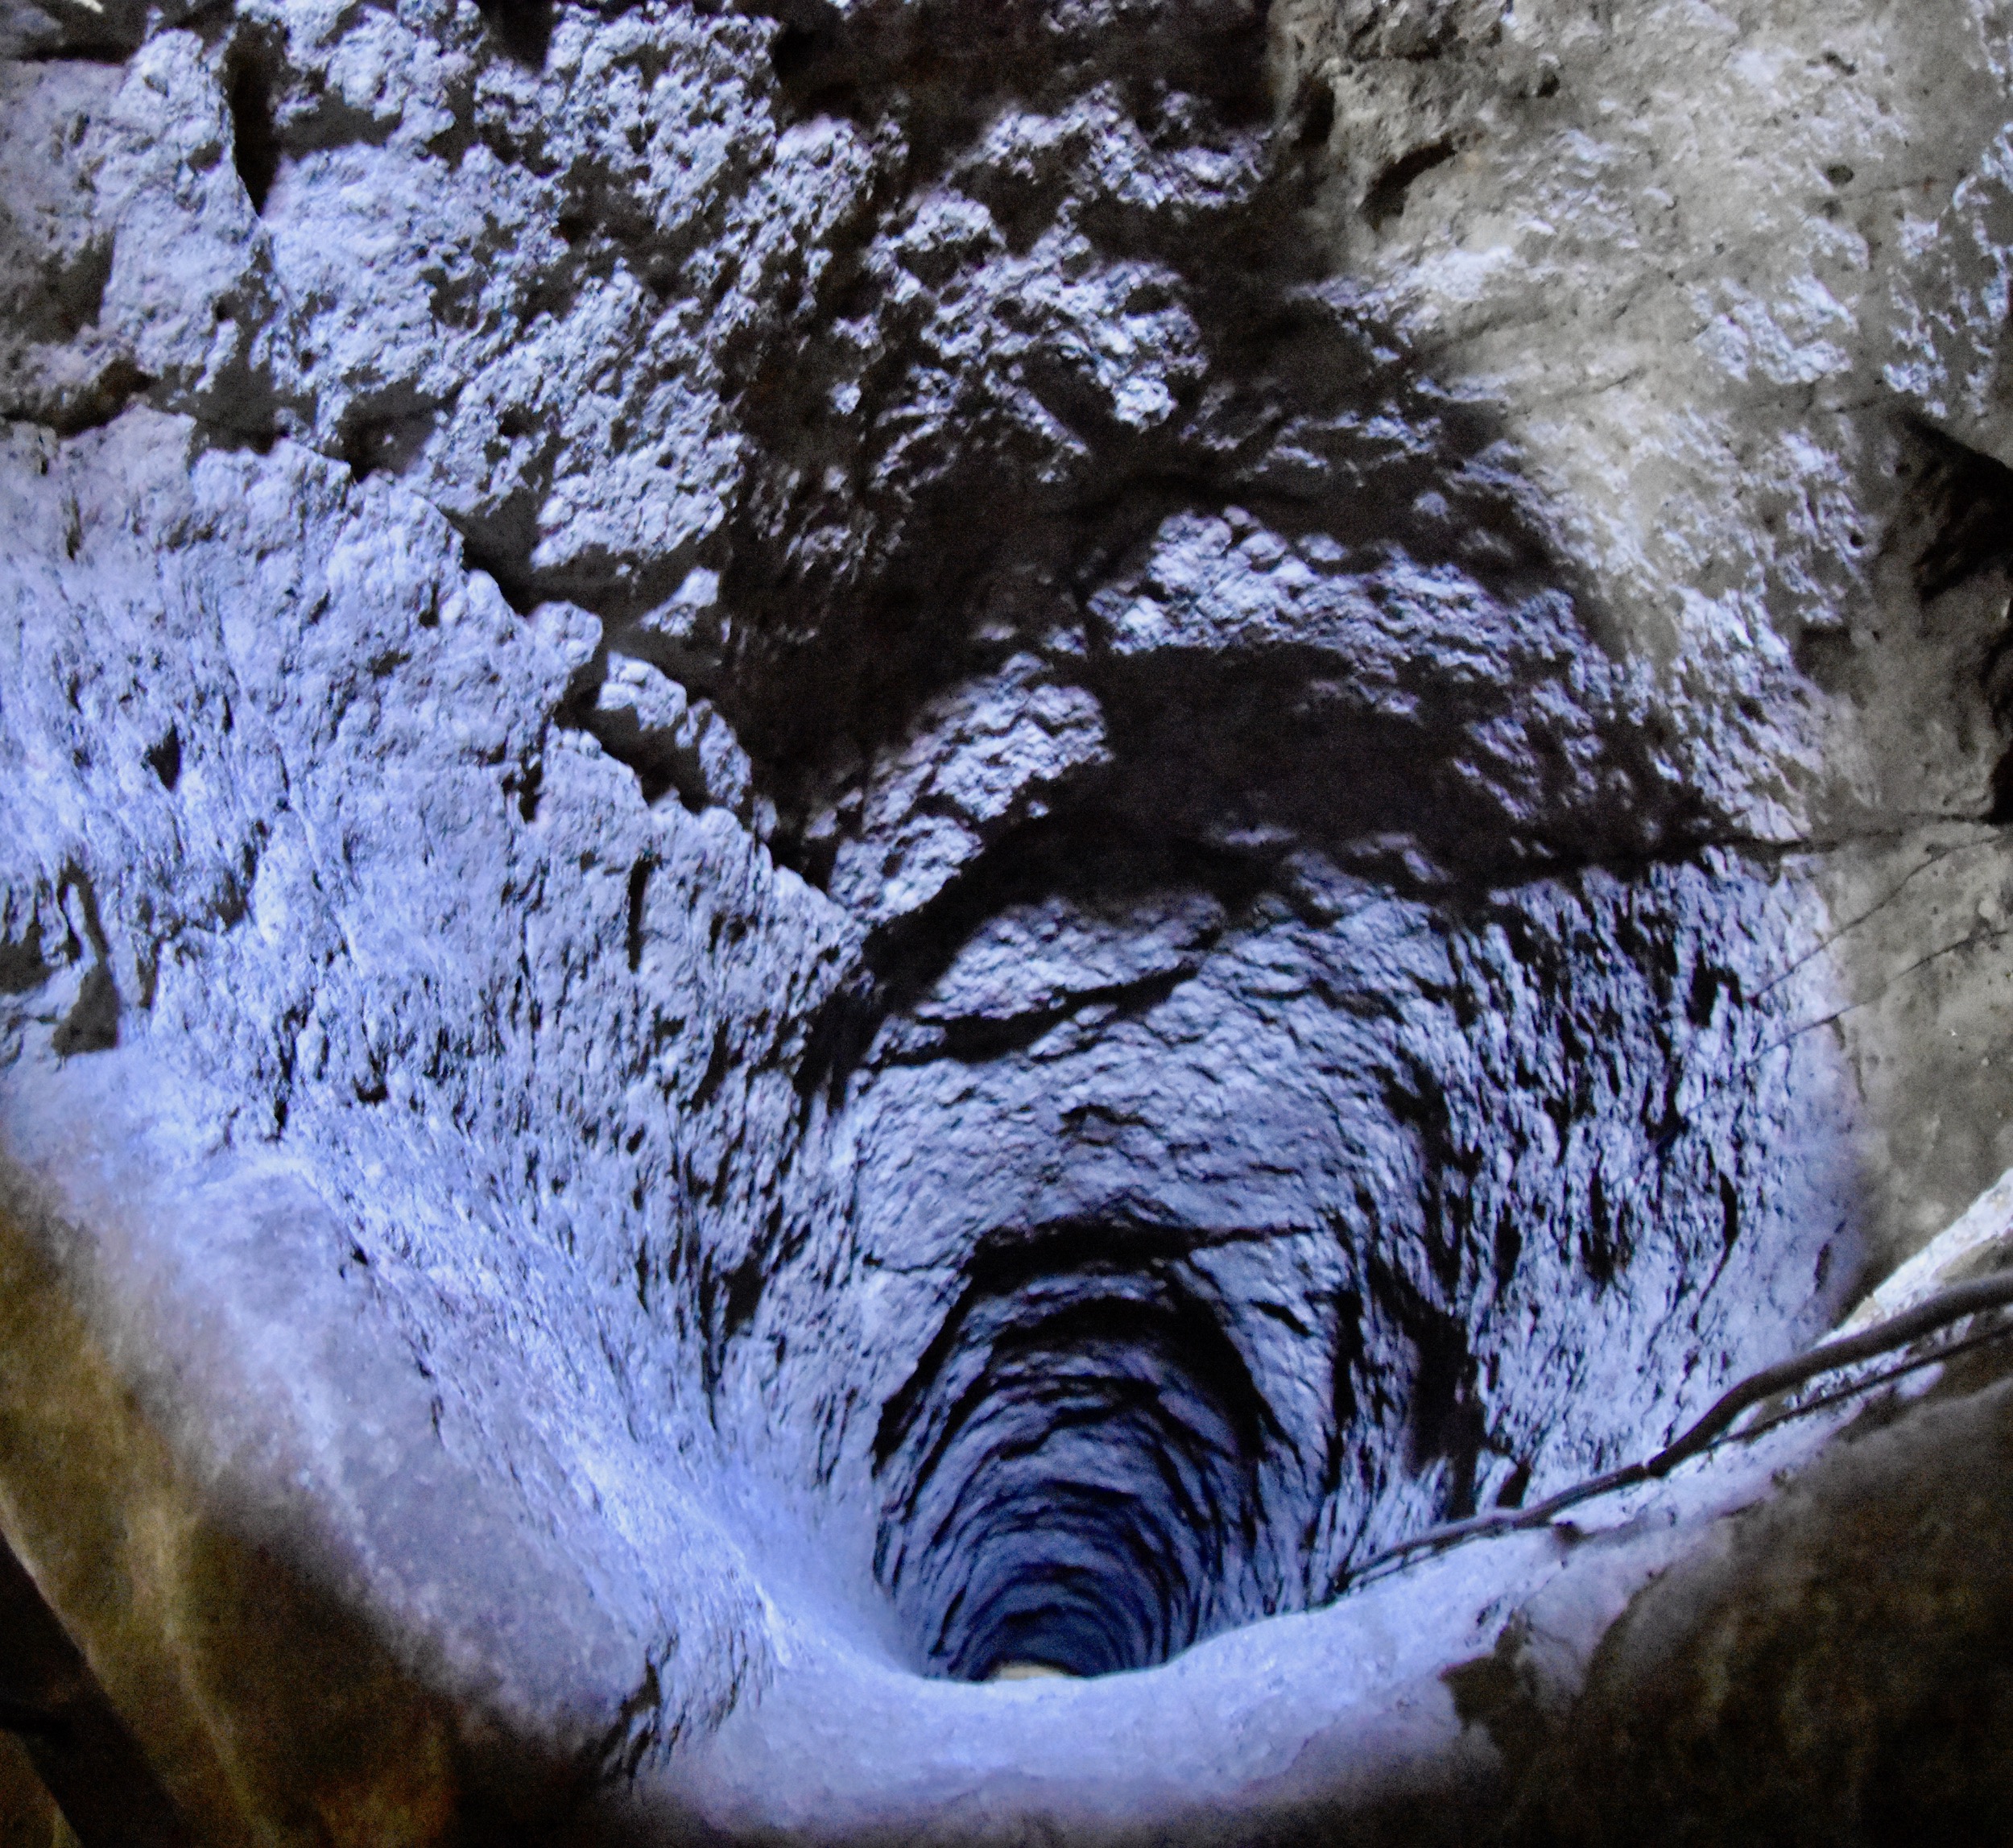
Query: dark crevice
[[254, 139], [744, 1292], [22, 968], [1385, 199], [80, 289], [2000, 813], [165, 758], [91, 1025], [92, 406], [716, 1071], [522, 28], [1966, 499], [976, 1039], [638, 891], [1317, 117], [795, 53], [84, 51], [511, 575], [389, 443], [528, 784], [1956, 515]]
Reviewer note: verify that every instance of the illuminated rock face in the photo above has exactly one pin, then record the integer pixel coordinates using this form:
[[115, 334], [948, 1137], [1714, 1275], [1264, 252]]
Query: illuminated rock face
[[848, 847]]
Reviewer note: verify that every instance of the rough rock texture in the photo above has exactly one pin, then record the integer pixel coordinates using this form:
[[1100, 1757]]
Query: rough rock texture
[[849, 843]]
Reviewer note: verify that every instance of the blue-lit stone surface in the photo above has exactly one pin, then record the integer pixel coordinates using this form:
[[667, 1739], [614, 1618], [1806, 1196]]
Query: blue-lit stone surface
[[848, 844]]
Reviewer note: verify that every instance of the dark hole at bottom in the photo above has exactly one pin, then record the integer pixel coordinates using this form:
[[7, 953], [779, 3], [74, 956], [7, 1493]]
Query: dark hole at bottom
[[1074, 1475]]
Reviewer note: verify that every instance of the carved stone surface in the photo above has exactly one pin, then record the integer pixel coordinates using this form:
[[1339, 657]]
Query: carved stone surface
[[853, 843]]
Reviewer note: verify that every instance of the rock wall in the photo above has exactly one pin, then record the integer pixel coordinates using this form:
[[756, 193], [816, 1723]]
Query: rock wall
[[854, 842]]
